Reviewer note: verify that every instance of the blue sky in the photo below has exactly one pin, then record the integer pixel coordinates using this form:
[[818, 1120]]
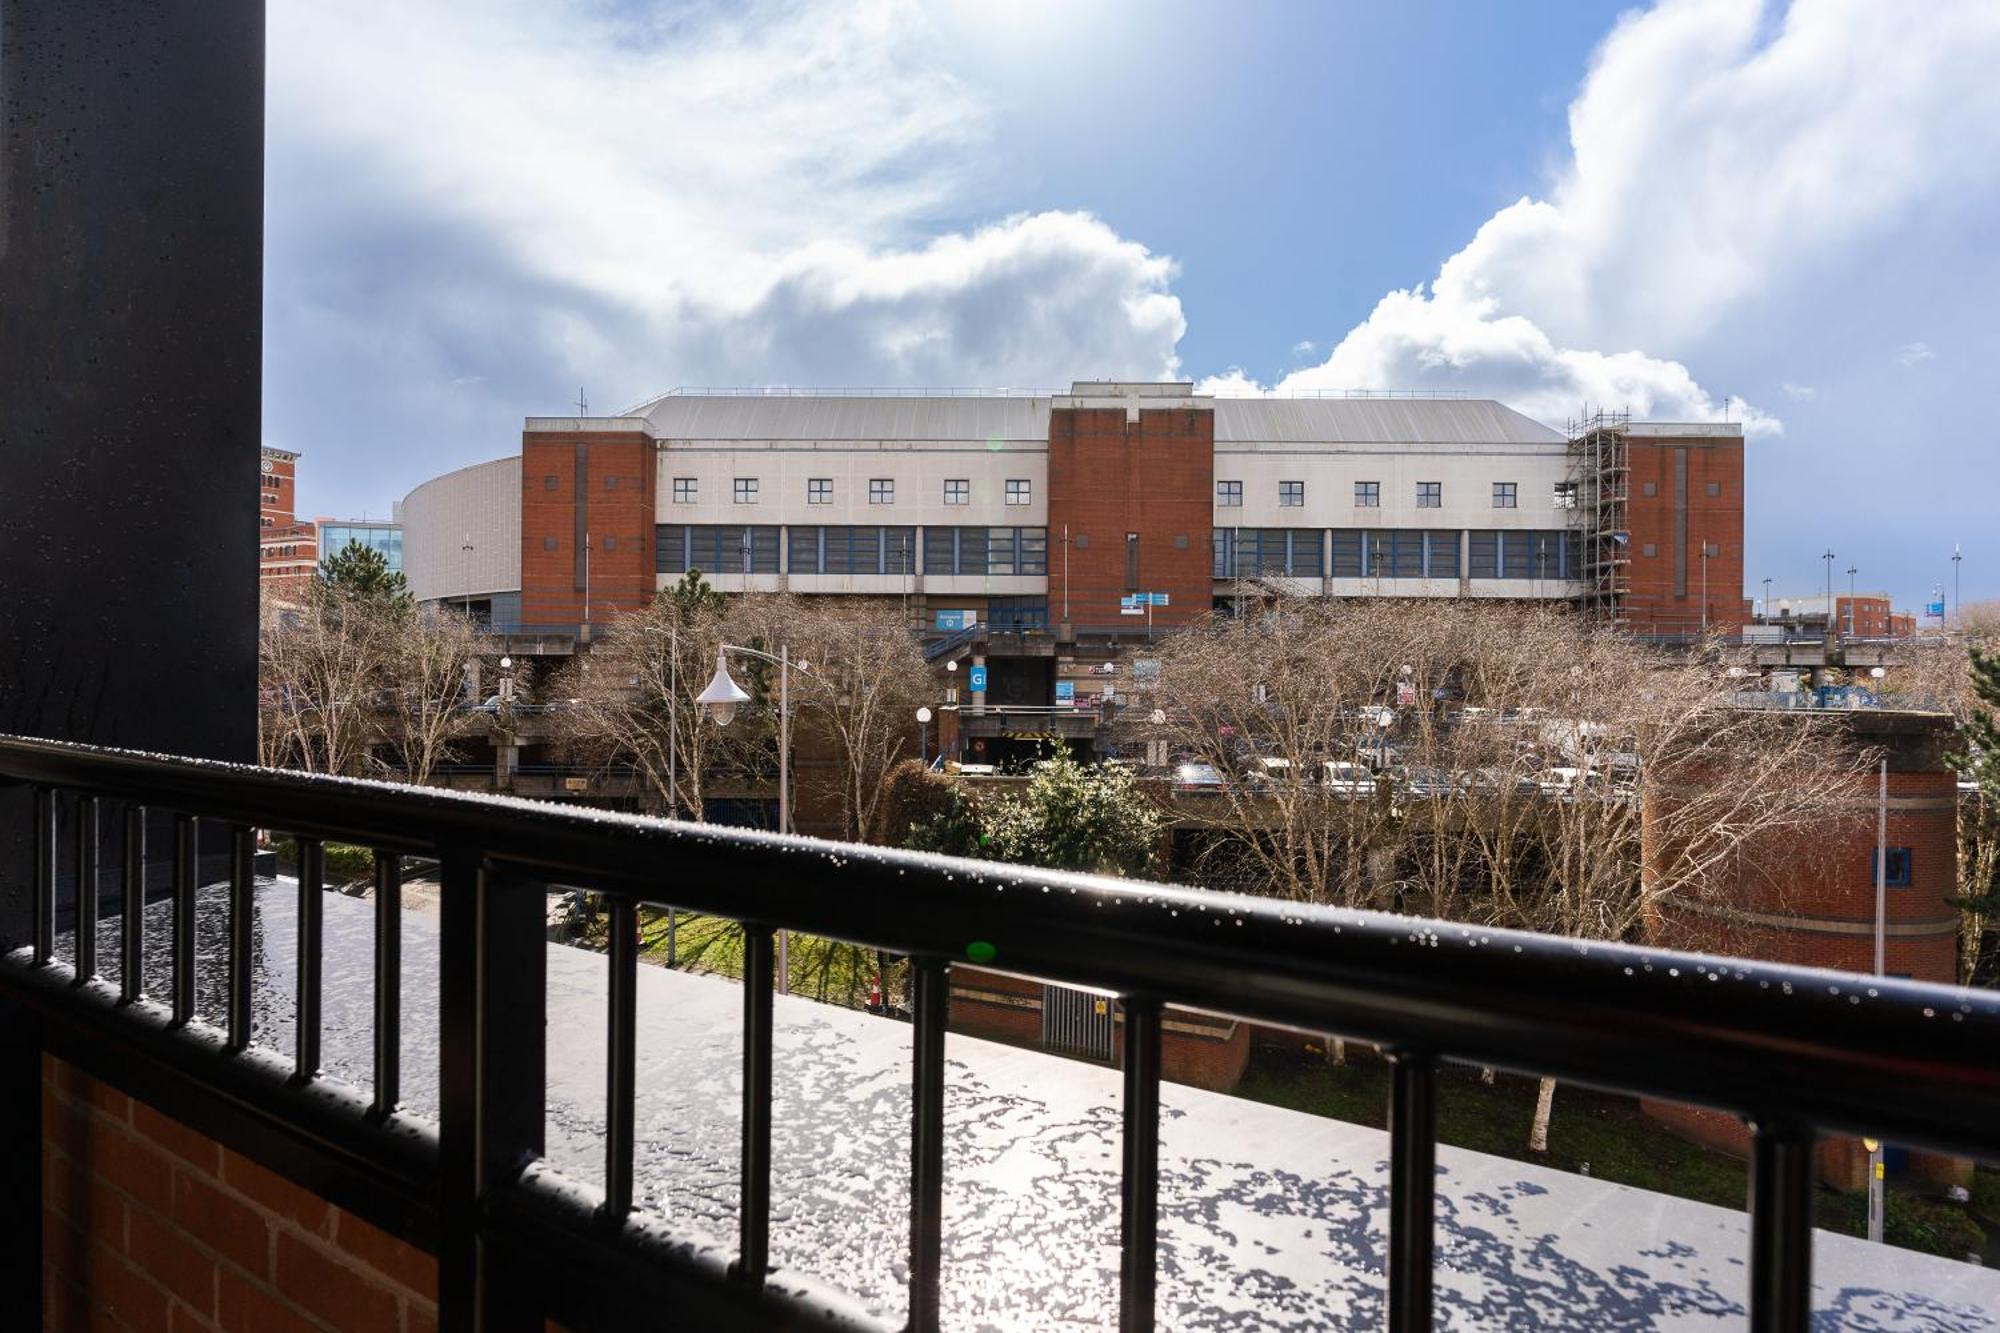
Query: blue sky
[[479, 206]]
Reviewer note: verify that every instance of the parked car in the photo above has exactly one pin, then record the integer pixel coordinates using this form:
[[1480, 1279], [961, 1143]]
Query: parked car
[[1196, 779], [1342, 777], [1428, 782], [1268, 769]]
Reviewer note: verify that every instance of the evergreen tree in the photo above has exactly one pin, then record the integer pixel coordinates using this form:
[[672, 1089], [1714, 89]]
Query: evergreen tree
[[1074, 817], [361, 574]]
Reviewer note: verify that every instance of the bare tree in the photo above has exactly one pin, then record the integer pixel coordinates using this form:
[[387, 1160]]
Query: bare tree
[[427, 669], [858, 677], [321, 665], [629, 700]]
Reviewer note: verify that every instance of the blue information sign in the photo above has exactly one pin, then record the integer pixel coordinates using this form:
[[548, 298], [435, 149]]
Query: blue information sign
[[976, 679]]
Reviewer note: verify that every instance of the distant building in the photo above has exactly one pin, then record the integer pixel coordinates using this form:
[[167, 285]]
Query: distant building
[[287, 550], [1074, 515], [385, 537], [1868, 615]]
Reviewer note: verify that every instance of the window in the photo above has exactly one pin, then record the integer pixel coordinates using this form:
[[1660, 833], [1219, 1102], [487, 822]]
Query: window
[[610, 543], [1714, 490], [986, 551], [1430, 495], [1229, 494], [611, 483], [882, 491], [1649, 490], [1367, 495], [1253, 552], [724, 548], [549, 544], [746, 490], [1896, 866], [1650, 550], [1565, 495], [686, 490], [1521, 555], [551, 482], [819, 491], [1291, 495], [1020, 491], [958, 491], [1131, 562], [1504, 493]]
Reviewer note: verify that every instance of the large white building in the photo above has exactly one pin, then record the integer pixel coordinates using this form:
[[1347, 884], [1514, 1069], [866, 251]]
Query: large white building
[[1015, 508]]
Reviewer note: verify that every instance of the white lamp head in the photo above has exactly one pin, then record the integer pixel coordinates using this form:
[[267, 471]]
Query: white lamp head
[[923, 715], [723, 696], [1877, 672], [951, 666], [506, 664]]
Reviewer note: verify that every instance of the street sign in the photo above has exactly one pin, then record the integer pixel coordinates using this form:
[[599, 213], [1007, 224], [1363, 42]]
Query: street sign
[[1135, 603], [1065, 693], [976, 680]]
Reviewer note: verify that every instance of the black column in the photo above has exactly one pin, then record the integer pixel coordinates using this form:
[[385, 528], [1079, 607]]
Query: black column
[[131, 280]]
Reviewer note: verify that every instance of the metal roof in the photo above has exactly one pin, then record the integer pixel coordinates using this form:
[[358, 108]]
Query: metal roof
[[963, 416], [830, 417], [1375, 421]]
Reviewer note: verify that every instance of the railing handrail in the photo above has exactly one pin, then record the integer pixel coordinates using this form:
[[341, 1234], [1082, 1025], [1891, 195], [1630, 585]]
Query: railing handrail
[[1761, 1038], [1792, 1050]]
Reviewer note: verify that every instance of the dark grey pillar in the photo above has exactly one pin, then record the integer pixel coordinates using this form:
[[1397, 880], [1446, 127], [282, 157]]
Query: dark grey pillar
[[131, 281]]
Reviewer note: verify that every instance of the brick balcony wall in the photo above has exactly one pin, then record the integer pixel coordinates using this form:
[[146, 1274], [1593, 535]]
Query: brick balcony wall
[[148, 1225]]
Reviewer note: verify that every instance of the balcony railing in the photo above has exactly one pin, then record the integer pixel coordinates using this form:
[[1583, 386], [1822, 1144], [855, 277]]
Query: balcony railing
[[1795, 1052]]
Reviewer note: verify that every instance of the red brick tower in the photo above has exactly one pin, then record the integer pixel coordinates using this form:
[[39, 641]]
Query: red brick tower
[[1131, 485], [586, 522], [1686, 498]]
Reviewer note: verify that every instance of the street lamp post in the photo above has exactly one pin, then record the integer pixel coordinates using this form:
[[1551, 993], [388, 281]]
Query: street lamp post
[[722, 698], [1704, 585], [1957, 602], [1852, 570], [1828, 557], [467, 549], [924, 736], [1767, 599]]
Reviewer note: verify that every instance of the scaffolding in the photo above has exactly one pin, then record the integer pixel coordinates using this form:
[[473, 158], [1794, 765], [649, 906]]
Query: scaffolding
[[1598, 489]]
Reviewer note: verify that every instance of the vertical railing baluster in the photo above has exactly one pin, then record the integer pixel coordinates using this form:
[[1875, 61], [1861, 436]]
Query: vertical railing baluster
[[388, 981], [1140, 1211], [86, 887], [621, 1059], [931, 1003], [1780, 1228], [132, 909], [492, 1081], [186, 849], [242, 940], [45, 875], [312, 908], [1412, 1189], [754, 1219]]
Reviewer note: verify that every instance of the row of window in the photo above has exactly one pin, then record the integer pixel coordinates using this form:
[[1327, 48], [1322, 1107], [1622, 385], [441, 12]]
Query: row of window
[[1416, 553], [881, 490], [1368, 495], [731, 548]]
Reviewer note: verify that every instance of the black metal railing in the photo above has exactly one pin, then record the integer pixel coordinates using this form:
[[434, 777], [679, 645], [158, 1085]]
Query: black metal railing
[[1795, 1052]]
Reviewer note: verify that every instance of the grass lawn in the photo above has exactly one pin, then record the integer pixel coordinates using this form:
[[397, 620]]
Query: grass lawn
[[823, 969], [1601, 1134]]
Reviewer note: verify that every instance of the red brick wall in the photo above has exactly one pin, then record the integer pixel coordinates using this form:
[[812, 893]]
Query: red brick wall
[[1196, 1049], [1651, 600], [148, 1225], [619, 518], [1863, 617], [1107, 478], [1828, 888]]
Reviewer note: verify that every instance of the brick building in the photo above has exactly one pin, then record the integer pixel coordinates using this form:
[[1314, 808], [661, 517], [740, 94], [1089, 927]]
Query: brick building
[[287, 549], [1053, 513], [1816, 906]]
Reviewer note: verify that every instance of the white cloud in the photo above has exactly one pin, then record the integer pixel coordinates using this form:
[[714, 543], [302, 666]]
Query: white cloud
[[1303, 347], [1910, 354], [1799, 393], [693, 196], [1715, 157]]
